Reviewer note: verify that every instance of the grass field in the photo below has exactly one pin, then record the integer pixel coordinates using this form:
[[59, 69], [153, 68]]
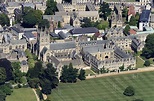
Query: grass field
[[139, 62], [88, 71], [107, 88], [22, 94]]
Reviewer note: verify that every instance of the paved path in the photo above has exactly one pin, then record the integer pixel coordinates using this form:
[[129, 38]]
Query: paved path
[[123, 72], [37, 97]]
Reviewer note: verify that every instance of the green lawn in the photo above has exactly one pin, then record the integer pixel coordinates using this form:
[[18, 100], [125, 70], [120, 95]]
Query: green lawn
[[88, 71], [107, 88], [139, 62], [22, 94]]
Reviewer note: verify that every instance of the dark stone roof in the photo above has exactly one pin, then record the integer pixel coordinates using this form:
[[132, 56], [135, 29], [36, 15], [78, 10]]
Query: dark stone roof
[[16, 29], [62, 35], [54, 34], [84, 30], [144, 17], [121, 53], [29, 34], [65, 45]]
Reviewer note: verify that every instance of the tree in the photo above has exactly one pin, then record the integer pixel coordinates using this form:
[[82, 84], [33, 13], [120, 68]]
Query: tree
[[129, 91], [102, 70], [6, 89], [121, 67], [59, 24], [35, 72], [2, 96], [2, 75], [147, 63], [43, 24], [124, 12], [34, 82], [103, 25], [4, 20], [104, 10], [137, 16], [133, 21], [127, 29], [31, 17], [51, 7], [87, 23], [69, 74], [82, 75], [48, 79], [148, 50]]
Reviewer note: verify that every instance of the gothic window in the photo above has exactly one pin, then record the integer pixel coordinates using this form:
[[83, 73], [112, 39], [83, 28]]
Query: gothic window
[[106, 57], [23, 47], [16, 47], [10, 48]]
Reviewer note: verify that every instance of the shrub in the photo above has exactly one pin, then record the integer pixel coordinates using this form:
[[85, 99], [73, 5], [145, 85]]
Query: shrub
[[129, 91]]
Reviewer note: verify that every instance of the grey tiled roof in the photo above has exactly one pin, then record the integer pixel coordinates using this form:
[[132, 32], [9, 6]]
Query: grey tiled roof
[[23, 41], [93, 42], [95, 48], [121, 53], [65, 45], [29, 34], [84, 30]]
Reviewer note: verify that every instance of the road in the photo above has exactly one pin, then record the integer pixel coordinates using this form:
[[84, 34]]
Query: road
[[146, 69]]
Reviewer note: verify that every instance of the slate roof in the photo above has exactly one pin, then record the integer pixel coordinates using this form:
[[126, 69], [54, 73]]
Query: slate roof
[[94, 49], [62, 35], [16, 29], [60, 46], [23, 41], [84, 30], [93, 42], [144, 17], [29, 34], [121, 53]]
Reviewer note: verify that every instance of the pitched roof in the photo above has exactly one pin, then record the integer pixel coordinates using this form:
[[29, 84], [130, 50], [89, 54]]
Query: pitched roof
[[144, 17], [60, 46], [84, 30]]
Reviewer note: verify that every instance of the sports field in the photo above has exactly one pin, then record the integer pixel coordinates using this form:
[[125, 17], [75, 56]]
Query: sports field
[[22, 94], [107, 88]]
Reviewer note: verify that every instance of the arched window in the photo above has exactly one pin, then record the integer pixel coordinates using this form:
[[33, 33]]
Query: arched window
[[106, 57], [10, 48]]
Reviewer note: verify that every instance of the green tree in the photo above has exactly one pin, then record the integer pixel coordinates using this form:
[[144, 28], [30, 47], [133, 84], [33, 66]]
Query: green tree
[[31, 17], [102, 70], [4, 20], [104, 10], [69, 74], [148, 50], [6, 89], [59, 24], [82, 75], [43, 24], [137, 16], [127, 29], [129, 91], [147, 63], [124, 12], [34, 82], [121, 67], [87, 23], [48, 79], [2, 75], [133, 21], [2, 96], [51, 7]]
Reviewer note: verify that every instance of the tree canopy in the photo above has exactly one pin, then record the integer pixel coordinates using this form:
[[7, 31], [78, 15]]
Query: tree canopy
[[147, 63], [43, 24], [31, 17], [124, 12], [82, 75], [4, 20], [133, 21], [68, 1], [104, 10], [148, 50], [129, 91], [51, 7], [69, 74], [127, 29], [2, 75]]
